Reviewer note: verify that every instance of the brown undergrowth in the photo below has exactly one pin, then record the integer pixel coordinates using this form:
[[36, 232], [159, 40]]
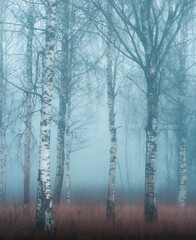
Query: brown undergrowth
[[86, 222]]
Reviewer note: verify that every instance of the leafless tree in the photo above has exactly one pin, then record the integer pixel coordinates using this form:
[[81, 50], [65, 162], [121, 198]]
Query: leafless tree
[[146, 31]]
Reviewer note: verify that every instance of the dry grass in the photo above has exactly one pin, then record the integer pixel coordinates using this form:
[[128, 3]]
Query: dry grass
[[86, 222]]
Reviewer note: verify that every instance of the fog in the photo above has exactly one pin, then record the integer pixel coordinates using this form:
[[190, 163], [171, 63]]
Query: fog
[[97, 104]]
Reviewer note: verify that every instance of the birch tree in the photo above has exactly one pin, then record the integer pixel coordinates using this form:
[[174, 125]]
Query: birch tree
[[111, 114], [182, 153], [179, 66], [71, 33], [29, 88], [146, 31], [44, 211]]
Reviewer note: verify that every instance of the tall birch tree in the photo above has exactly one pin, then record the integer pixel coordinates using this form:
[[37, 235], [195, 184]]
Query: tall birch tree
[[44, 211], [111, 114], [182, 134], [146, 30]]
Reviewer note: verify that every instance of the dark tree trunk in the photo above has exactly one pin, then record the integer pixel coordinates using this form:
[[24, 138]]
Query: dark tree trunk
[[27, 144], [62, 106]]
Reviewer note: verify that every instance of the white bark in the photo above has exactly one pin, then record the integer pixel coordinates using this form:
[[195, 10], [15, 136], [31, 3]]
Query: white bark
[[27, 144], [44, 216], [151, 213], [112, 128], [150, 172], [182, 154]]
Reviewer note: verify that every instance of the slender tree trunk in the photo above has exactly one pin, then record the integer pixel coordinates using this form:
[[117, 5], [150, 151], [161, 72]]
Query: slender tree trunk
[[44, 211], [4, 124], [27, 144], [68, 149], [62, 107], [167, 162], [68, 117], [182, 154], [60, 147], [1, 103], [112, 128], [151, 146], [4, 152], [126, 154]]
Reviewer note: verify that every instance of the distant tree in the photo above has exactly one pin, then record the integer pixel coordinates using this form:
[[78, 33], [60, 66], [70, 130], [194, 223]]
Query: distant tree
[[65, 65], [29, 88], [182, 126], [68, 147], [19, 27], [73, 66], [176, 70], [1, 102]]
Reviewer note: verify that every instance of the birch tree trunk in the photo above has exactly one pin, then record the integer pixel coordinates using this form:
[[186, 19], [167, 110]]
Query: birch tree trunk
[[151, 147], [44, 212], [112, 128], [182, 154], [27, 144], [147, 29], [150, 71], [68, 149], [62, 107], [1, 103]]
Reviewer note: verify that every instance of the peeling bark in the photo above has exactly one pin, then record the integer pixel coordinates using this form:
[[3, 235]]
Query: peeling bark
[[151, 147], [44, 212], [112, 128]]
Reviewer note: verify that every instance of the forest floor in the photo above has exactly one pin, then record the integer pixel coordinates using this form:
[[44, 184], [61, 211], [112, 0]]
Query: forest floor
[[87, 222]]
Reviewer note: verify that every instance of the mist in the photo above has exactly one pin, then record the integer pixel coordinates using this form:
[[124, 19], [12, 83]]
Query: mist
[[97, 112]]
